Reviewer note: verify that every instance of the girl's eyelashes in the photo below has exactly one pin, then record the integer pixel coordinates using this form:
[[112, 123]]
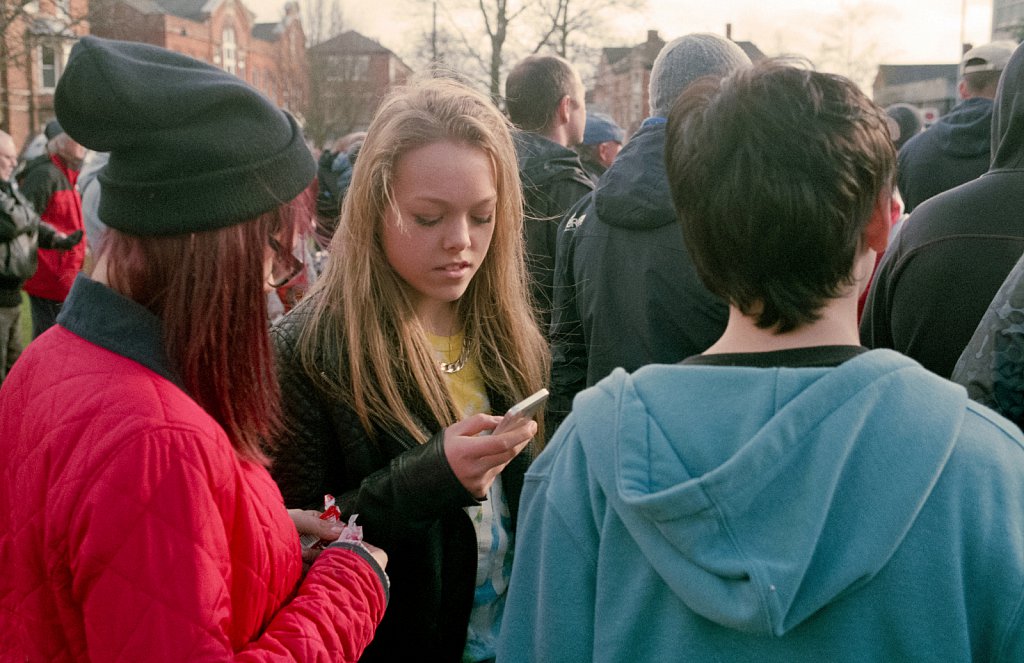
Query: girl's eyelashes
[[428, 222], [423, 221]]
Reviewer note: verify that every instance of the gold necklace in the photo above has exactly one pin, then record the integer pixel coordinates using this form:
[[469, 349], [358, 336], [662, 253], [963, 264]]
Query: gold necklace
[[458, 364]]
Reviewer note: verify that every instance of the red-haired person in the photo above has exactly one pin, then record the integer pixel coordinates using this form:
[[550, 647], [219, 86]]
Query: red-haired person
[[137, 518]]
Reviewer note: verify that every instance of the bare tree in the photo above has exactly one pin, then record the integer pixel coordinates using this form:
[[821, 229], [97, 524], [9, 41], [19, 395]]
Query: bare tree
[[321, 20], [572, 25], [512, 29], [848, 45]]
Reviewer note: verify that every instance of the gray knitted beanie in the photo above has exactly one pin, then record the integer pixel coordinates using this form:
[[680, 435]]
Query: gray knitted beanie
[[684, 60]]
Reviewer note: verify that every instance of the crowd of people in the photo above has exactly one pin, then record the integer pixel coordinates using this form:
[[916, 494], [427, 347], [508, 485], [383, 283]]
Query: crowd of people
[[781, 329]]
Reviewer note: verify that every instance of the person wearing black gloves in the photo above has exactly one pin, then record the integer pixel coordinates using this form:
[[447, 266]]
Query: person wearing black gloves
[[22, 232]]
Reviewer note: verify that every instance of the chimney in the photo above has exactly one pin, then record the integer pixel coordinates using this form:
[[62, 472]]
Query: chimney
[[728, 31], [652, 36]]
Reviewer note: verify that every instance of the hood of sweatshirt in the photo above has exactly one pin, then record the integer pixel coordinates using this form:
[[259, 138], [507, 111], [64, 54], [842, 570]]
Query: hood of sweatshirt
[[1008, 116], [633, 193], [965, 131], [770, 492]]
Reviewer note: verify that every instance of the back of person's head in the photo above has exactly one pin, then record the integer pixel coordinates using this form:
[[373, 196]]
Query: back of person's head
[[775, 172], [535, 87], [981, 66], [907, 122], [203, 171], [362, 304], [345, 143], [687, 59]]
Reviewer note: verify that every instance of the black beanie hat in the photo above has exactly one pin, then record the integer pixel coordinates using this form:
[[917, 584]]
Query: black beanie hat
[[192, 147]]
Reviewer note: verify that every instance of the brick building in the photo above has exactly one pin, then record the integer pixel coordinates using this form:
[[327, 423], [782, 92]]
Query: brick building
[[623, 76], [269, 56], [349, 75], [37, 36]]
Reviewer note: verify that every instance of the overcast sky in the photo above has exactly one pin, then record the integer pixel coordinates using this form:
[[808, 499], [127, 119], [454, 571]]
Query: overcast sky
[[900, 32]]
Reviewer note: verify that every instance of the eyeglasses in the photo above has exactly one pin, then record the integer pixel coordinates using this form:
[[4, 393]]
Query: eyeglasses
[[285, 266]]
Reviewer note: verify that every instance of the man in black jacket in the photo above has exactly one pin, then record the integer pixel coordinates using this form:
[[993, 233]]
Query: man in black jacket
[[545, 99], [626, 292], [21, 233]]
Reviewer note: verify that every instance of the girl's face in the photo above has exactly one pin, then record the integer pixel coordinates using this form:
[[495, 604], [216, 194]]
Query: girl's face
[[437, 234]]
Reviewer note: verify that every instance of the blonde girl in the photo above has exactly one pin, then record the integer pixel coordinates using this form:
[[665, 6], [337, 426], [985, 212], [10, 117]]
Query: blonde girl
[[419, 330]]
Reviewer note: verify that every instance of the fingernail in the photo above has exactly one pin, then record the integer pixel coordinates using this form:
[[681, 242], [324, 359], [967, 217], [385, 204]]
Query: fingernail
[[335, 529]]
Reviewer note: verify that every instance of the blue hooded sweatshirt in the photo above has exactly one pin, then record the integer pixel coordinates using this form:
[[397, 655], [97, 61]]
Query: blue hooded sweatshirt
[[864, 512]]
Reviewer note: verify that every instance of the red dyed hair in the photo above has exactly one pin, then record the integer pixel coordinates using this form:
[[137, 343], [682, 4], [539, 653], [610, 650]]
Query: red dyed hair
[[208, 290]]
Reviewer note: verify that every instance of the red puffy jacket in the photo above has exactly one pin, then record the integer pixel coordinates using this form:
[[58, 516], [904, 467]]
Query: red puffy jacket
[[130, 530]]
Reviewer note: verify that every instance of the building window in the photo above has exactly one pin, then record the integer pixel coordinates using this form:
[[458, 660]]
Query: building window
[[227, 50], [349, 68], [49, 67]]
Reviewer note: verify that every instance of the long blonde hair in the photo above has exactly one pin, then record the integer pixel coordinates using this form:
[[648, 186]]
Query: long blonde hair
[[361, 309]]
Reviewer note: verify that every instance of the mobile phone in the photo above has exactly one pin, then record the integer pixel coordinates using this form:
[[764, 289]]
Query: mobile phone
[[524, 409]]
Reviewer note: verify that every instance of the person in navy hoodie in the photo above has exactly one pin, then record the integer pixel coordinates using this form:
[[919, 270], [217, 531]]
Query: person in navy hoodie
[[955, 149], [787, 495]]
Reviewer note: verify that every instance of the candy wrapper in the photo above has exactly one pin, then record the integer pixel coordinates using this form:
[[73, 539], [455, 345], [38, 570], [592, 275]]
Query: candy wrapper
[[331, 514], [351, 532]]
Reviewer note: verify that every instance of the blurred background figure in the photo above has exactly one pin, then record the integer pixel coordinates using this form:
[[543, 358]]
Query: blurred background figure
[[21, 233], [602, 140], [48, 182], [907, 122], [89, 189]]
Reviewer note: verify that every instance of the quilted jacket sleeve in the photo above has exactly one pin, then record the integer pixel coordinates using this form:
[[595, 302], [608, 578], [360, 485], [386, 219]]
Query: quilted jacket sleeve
[[154, 572], [332, 618]]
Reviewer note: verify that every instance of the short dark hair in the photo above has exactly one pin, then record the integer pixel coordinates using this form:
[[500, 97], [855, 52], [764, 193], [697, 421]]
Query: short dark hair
[[535, 87], [775, 172], [982, 82]]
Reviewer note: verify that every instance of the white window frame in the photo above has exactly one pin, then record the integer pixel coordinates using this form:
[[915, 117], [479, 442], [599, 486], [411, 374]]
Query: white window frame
[[228, 50], [55, 67]]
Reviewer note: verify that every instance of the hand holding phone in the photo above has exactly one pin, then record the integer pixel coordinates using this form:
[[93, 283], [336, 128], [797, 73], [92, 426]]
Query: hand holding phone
[[476, 461], [524, 409]]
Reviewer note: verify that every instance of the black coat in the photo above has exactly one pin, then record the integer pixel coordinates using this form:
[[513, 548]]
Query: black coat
[[553, 181], [626, 293], [409, 502]]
